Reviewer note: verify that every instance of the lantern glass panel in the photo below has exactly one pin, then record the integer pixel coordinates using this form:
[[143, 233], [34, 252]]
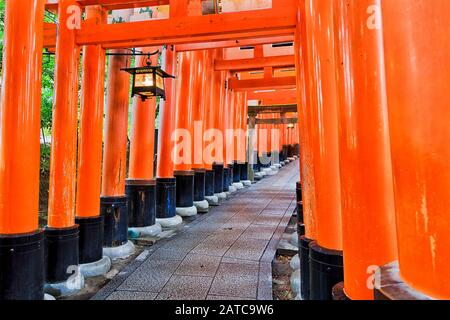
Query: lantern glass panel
[[143, 80], [159, 81]]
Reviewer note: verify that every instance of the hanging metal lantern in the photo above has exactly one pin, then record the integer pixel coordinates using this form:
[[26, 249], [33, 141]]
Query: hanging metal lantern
[[148, 81]]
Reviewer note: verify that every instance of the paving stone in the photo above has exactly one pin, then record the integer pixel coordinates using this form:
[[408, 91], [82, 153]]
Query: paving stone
[[213, 247], [185, 288], [236, 279], [132, 295], [213, 297], [249, 249], [169, 253], [267, 219], [151, 276], [275, 212], [265, 291], [198, 265], [259, 231]]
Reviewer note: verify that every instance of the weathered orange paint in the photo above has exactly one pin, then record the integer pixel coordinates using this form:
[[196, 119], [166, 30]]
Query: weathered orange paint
[[219, 110], [142, 142], [198, 105], [254, 63], [208, 108], [209, 99], [277, 21], [20, 116], [233, 43], [91, 124], [417, 53], [115, 148], [368, 217], [268, 83], [305, 104], [319, 26], [184, 114], [167, 119], [61, 202], [243, 125]]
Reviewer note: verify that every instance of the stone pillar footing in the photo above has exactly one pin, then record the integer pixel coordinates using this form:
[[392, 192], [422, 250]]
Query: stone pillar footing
[[120, 252]]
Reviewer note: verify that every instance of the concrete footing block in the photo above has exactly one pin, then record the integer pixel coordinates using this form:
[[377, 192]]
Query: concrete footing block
[[246, 183], [295, 262], [187, 211], [96, 268], [170, 223], [238, 185], [120, 252], [221, 195], [150, 231], [294, 239], [212, 200], [202, 206], [295, 281], [67, 288], [232, 189]]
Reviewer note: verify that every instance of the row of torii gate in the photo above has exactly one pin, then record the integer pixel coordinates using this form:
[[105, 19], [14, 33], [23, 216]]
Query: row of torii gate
[[373, 130]]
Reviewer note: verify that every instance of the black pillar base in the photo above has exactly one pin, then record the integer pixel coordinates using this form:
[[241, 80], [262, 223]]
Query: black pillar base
[[300, 216], [141, 196], [226, 179], [326, 270], [199, 184], [285, 151], [303, 253], [274, 157], [281, 155], [243, 171], [291, 151], [209, 183], [22, 266], [231, 176], [297, 149], [115, 215], [61, 252], [298, 191], [237, 171], [90, 239], [218, 177], [300, 230], [264, 160], [185, 188], [165, 198]]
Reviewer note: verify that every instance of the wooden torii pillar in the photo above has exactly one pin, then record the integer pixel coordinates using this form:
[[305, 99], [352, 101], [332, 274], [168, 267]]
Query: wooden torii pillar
[[113, 201], [90, 147], [21, 240], [199, 104], [368, 213], [419, 113], [165, 181], [61, 233], [182, 135], [326, 251], [141, 185]]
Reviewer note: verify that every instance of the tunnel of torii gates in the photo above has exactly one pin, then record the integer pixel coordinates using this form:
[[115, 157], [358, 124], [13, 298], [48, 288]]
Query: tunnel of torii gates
[[368, 89]]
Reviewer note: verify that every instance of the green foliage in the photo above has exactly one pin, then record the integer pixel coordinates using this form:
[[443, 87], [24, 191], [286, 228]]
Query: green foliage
[[48, 69]]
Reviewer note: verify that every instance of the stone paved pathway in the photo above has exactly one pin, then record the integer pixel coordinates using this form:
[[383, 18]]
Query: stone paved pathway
[[224, 254]]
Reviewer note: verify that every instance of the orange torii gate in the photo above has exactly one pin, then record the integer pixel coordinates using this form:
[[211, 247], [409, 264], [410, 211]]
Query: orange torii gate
[[334, 133]]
